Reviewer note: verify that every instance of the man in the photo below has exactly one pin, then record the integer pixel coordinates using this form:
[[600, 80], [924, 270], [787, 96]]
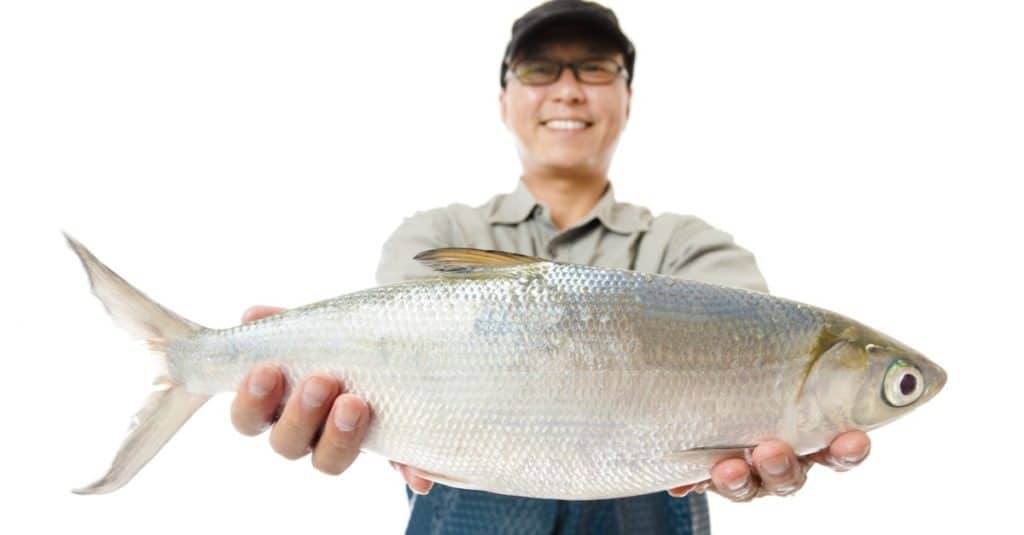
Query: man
[[566, 91]]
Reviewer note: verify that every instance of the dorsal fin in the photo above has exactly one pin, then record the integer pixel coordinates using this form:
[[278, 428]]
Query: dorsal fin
[[463, 260]]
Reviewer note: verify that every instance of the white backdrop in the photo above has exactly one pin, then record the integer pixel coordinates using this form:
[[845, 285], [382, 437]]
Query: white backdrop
[[220, 154]]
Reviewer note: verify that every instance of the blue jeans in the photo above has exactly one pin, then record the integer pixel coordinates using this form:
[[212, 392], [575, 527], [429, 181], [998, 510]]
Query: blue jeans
[[447, 510]]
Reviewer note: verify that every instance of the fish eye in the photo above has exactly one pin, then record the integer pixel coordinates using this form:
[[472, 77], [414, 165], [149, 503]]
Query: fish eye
[[903, 384]]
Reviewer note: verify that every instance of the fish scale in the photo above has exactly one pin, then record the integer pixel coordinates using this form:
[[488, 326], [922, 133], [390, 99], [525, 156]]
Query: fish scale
[[521, 376]]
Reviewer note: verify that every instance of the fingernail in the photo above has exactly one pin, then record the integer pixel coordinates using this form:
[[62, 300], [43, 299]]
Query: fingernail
[[314, 394], [261, 382], [346, 418], [845, 462], [785, 490], [853, 458], [776, 466], [739, 483]]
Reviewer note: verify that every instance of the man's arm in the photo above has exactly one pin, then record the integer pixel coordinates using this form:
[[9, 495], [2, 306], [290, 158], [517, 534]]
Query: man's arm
[[421, 232], [698, 251]]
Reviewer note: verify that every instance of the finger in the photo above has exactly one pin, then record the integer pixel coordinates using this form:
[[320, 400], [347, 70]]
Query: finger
[[847, 451], [342, 435], [778, 468], [258, 397], [680, 492], [257, 312], [416, 482], [303, 416], [733, 479]]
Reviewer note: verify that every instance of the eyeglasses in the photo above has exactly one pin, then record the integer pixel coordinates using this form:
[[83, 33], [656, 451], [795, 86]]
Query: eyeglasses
[[547, 71]]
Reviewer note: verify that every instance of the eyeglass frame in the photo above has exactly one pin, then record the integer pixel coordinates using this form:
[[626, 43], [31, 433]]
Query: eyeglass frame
[[574, 66]]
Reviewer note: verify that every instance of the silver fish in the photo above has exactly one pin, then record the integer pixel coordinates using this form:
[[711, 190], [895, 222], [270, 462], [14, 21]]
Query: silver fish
[[523, 376]]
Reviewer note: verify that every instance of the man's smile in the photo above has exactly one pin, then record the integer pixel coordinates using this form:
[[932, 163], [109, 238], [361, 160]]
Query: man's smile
[[565, 124]]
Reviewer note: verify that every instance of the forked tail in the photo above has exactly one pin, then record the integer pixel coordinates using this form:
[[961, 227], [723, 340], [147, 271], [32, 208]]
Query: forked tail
[[169, 406]]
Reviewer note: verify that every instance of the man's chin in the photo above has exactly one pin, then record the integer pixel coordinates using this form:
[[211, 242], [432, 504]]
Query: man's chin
[[572, 168], [570, 162]]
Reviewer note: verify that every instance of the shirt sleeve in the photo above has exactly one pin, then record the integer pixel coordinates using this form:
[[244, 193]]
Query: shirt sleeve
[[420, 232], [698, 251]]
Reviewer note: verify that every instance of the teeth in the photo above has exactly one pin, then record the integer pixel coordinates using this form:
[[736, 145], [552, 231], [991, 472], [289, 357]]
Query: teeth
[[563, 124]]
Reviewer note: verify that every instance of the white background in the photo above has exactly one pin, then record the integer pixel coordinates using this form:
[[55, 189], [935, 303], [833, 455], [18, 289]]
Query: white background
[[220, 154]]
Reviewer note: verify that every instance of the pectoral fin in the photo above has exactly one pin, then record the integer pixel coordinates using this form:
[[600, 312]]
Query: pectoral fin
[[713, 454]]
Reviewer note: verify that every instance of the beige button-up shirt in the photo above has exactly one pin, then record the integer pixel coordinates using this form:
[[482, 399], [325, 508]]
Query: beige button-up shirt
[[614, 234]]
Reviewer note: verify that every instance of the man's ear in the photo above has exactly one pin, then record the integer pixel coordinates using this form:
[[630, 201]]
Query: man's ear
[[629, 101]]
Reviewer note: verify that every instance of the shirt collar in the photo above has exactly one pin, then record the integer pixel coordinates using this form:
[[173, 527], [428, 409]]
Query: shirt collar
[[623, 218], [515, 207]]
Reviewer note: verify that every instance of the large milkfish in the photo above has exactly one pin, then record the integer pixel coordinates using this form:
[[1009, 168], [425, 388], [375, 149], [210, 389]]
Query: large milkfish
[[529, 377]]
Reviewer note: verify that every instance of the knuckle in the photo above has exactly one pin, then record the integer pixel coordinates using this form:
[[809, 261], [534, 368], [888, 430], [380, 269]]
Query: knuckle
[[288, 440], [250, 429], [288, 451], [329, 468], [337, 449], [247, 422]]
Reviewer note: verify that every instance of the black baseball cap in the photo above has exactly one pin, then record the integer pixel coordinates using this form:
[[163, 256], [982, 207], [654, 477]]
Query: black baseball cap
[[590, 16]]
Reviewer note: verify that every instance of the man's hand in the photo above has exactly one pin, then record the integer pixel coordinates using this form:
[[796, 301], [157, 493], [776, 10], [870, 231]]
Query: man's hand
[[318, 417], [776, 469]]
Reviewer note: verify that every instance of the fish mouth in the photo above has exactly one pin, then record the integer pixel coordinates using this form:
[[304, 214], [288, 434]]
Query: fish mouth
[[937, 380]]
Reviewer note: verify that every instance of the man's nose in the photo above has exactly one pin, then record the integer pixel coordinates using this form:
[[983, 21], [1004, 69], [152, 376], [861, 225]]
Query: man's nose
[[567, 87]]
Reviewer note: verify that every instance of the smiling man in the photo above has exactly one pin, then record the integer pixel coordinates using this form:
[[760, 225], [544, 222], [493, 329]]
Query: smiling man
[[565, 95]]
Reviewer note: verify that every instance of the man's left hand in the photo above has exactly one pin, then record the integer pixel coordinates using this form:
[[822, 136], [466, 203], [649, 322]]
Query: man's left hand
[[776, 469]]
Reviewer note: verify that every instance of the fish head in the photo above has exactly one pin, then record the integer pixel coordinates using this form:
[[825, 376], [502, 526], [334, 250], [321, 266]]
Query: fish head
[[897, 380], [862, 380]]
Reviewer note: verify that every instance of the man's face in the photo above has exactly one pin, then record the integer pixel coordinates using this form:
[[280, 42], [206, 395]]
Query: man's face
[[566, 127]]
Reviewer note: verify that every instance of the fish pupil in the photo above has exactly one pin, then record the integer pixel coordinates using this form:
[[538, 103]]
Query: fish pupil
[[908, 384]]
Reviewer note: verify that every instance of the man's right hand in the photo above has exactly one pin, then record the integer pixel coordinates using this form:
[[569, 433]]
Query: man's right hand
[[319, 417]]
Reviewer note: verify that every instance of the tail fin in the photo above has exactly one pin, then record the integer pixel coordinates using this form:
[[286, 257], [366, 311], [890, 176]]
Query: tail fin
[[170, 405]]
